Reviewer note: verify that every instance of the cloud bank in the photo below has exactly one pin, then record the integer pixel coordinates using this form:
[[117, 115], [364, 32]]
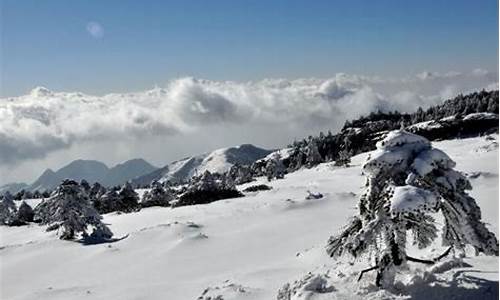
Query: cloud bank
[[35, 125]]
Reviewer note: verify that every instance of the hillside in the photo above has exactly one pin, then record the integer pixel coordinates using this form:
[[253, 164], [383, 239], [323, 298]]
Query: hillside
[[244, 248], [469, 115]]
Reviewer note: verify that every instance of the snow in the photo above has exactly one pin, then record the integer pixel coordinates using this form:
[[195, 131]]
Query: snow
[[426, 125], [447, 119], [141, 192], [430, 159], [395, 149], [481, 116], [256, 243], [408, 199], [397, 138], [282, 153]]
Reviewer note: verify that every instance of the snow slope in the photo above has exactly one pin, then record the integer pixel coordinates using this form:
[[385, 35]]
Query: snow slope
[[244, 248], [218, 161]]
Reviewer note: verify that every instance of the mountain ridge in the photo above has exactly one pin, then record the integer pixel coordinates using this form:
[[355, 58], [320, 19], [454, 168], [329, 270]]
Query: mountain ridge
[[217, 161], [91, 171]]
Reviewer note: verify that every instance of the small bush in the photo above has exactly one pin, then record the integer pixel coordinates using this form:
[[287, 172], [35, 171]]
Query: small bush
[[206, 196], [257, 187]]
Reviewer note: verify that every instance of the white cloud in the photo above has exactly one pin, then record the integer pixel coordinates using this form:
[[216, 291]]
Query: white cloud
[[37, 124], [95, 29]]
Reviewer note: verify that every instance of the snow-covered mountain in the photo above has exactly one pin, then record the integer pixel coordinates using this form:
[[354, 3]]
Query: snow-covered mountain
[[93, 171], [249, 247], [218, 161]]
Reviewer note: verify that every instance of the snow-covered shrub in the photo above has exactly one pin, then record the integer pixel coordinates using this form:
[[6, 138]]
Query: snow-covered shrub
[[258, 187], [7, 209], [306, 287], [208, 188], [157, 196], [227, 291], [407, 180], [274, 168], [69, 212]]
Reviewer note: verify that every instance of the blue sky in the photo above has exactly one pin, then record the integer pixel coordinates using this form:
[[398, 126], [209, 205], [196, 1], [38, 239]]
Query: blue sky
[[144, 43]]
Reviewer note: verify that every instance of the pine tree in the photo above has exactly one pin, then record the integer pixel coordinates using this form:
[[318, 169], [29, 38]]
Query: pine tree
[[85, 185], [7, 209], [207, 188], [69, 212], [313, 157], [96, 191], [157, 196], [128, 198], [240, 174], [107, 202], [274, 167], [37, 195], [343, 159], [123, 200], [25, 213], [406, 180]]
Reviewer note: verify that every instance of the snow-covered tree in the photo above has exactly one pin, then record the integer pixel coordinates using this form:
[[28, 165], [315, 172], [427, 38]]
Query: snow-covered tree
[[85, 185], [240, 174], [313, 157], [27, 195], [274, 167], [7, 209], [24, 214], [123, 200], [129, 198], [207, 188], [107, 202], [157, 196], [69, 212], [343, 159], [96, 191], [407, 179], [46, 194]]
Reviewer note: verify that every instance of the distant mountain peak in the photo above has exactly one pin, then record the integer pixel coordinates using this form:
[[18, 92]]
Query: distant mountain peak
[[48, 172], [219, 160], [93, 171]]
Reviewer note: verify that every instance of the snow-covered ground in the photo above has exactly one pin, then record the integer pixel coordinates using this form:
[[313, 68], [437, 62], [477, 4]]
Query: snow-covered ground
[[244, 248]]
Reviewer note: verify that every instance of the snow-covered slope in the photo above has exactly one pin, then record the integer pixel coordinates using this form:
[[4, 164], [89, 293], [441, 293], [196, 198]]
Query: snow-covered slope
[[244, 248], [218, 161], [93, 171]]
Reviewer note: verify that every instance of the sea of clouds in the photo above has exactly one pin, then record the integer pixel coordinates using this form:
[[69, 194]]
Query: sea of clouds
[[43, 121]]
